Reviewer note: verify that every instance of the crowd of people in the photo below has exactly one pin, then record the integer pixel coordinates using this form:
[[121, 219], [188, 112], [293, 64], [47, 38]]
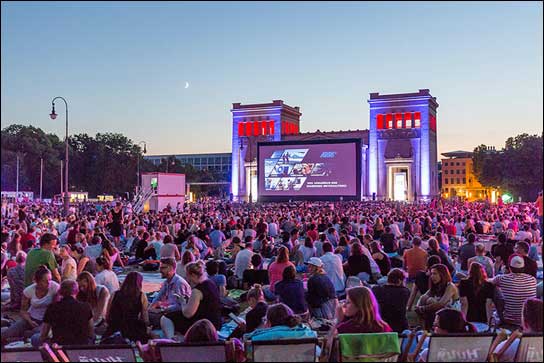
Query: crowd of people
[[362, 267]]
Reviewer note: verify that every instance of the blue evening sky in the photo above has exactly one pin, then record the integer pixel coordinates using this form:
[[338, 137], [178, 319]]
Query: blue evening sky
[[123, 66]]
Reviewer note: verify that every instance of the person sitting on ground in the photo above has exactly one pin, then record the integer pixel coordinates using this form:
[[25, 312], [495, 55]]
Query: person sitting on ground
[[68, 267], [169, 249], [42, 256], [256, 274], [388, 241], [275, 270], [305, 252], [468, 250], [97, 296], [69, 320], [16, 280], [522, 249], [105, 275], [358, 263], [290, 290], [434, 250], [243, 258], [531, 324], [392, 299], [281, 323], [259, 307], [516, 287], [204, 303], [477, 295], [381, 258], [483, 260], [166, 301], [127, 311], [415, 258], [360, 313], [442, 293], [83, 262], [448, 321], [35, 300], [320, 296], [186, 258], [143, 252], [212, 269], [332, 264]]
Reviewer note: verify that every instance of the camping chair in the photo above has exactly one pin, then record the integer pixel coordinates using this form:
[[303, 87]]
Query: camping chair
[[195, 352], [369, 347], [411, 357], [530, 348], [459, 347], [283, 350], [95, 353], [42, 354]]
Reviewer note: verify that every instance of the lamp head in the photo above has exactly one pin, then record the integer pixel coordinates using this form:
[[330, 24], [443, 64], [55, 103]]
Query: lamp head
[[53, 115], [145, 150]]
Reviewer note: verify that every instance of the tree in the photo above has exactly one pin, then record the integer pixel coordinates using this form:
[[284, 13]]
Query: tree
[[516, 168]]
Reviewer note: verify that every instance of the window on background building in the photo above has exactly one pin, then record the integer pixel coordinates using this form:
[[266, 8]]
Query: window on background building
[[458, 181], [463, 163], [457, 163], [457, 171], [464, 180], [446, 190], [445, 172], [408, 120], [451, 181], [470, 180], [389, 120], [445, 163], [398, 118], [417, 119], [462, 171], [446, 181]]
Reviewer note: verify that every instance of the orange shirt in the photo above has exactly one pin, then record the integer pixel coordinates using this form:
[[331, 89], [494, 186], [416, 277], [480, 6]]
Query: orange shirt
[[415, 259], [539, 205]]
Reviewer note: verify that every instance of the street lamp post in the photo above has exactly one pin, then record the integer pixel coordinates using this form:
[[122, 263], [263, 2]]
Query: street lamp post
[[53, 116], [138, 182]]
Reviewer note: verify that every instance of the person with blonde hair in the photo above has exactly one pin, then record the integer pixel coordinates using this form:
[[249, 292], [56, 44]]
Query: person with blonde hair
[[204, 303], [360, 313]]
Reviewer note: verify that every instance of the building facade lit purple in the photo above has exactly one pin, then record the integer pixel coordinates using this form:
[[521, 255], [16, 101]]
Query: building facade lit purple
[[398, 151]]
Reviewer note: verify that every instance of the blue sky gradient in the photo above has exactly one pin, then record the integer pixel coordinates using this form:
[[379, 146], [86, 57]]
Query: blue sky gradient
[[123, 66]]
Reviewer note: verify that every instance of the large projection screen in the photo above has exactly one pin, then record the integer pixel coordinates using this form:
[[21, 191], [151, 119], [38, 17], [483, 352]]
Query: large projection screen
[[309, 170]]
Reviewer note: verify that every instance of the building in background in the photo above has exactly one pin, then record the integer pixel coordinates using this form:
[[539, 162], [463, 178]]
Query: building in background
[[459, 181], [399, 151], [217, 162]]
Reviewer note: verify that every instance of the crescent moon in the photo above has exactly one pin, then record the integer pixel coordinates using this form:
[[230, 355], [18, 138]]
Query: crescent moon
[[186, 85]]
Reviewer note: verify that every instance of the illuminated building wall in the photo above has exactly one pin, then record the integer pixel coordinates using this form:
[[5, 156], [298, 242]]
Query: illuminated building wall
[[402, 137], [251, 124]]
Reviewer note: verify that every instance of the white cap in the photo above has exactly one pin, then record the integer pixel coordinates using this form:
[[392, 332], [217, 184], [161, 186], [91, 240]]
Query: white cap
[[517, 262], [316, 261]]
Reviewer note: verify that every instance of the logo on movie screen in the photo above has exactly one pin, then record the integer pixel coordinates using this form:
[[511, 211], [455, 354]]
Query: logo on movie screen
[[328, 154]]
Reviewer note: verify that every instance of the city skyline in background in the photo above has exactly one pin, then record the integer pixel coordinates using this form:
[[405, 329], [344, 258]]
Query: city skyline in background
[[125, 67]]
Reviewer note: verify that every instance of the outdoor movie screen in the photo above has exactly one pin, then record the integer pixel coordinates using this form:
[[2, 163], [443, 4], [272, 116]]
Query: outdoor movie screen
[[313, 169]]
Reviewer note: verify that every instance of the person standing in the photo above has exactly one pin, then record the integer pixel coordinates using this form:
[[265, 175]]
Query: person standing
[[116, 222]]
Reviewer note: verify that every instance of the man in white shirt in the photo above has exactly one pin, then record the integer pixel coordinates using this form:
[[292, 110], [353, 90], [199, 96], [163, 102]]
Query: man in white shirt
[[332, 264], [243, 258]]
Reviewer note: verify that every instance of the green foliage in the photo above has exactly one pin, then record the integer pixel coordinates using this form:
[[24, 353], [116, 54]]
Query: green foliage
[[516, 168], [104, 164]]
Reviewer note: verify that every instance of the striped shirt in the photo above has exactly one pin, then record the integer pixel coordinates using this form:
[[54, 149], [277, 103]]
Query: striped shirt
[[516, 288]]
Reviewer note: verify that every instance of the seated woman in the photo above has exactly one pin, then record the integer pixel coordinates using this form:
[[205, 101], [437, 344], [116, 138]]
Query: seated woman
[[382, 260], [212, 269], [321, 296], [477, 295], [186, 258], [435, 250], [442, 293], [204, 303], [35, 300], [84, 263], [358, 263], [255, 275], [448, 321], [360, 313], [532, 323], [421, 284], [97, 296], [259, 307], [127, 311], [290, 291]]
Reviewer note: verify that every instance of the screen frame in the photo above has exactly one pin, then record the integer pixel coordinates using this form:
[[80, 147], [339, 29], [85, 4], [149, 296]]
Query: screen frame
[[283, 198]]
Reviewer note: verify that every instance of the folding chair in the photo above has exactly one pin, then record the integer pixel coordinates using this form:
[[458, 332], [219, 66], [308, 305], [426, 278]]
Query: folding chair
[[95, 353], [195, 352], [405, 340], [459, 347], [530, 348], [284, 350], [26, 355], [369, 347]]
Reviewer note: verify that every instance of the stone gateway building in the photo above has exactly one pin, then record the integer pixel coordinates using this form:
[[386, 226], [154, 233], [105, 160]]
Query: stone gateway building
[[398, 151]]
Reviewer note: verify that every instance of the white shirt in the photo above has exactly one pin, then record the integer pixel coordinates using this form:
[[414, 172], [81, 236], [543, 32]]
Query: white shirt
[[332, 264], [39, 305], [242, 262], [109, 279], [69, 262]]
